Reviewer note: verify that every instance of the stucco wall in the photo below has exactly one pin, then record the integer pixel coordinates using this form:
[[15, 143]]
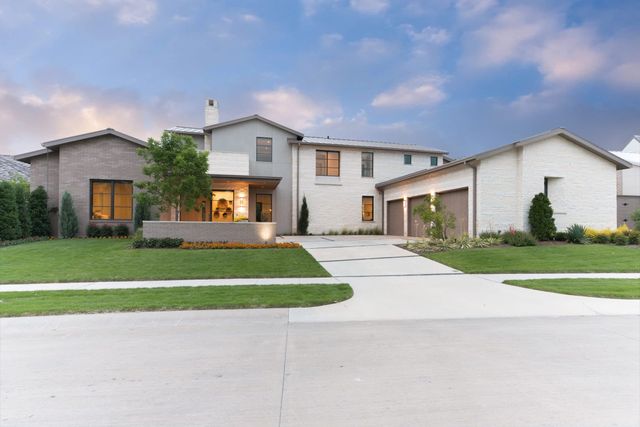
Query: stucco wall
[[241, 232], [105, 157], [335, 203]]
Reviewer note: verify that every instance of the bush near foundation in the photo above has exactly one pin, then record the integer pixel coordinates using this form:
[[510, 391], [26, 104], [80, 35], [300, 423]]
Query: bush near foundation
[[152, 243], [38, 213], [541, 220], [576, 234], [518, 238], [9, 219], [121, 231]]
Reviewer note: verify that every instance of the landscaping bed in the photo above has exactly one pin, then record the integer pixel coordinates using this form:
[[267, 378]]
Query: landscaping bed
[[91, 260], [40, 303], [602, 288]]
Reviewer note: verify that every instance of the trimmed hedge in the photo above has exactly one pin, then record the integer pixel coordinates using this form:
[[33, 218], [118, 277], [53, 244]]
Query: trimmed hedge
[[153, 243]]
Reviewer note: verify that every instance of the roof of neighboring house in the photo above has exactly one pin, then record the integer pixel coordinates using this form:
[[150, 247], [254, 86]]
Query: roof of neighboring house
[[633, 158], [253, 117], [11, 168], [186, 130], [362, 143], [620, 163]]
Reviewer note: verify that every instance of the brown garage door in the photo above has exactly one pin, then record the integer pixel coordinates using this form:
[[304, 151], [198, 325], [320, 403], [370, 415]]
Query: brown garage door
[[457, 202], [416, 225], [395, 218]]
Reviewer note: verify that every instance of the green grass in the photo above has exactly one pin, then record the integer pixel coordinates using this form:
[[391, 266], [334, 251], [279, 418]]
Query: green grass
[[603, 288], [543, 259], [40, 303], [90, 260]]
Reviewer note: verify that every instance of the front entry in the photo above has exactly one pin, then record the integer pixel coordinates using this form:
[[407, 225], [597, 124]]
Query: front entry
[[222, 206], [263, 208]]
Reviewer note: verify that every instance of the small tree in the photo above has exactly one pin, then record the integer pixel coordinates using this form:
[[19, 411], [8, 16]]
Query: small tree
[[38, 213], [21, 187], [177, 170], [68, 218], [143, 210], [303, 219], [635, 217], [9, 222], [541, 220], [437, 218]]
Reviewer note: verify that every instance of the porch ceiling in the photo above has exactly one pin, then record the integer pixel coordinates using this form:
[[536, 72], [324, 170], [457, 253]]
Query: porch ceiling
[[265, 182]]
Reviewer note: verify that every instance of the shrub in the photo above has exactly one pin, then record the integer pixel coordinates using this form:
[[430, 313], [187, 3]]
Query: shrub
[[22, 205], [38, 213], [439, 245], [4, 243], [9, 221], [490, 235], [635, 217], [93, 231], [621, 240], [121, 230], [68, 218], [235, 245], [432, 211], [106, 231], [561, 236], [303, 219], [634, 237], [601, 237], [576, 234], [165, 242], [541, 220], [142, 211], [518, 238]]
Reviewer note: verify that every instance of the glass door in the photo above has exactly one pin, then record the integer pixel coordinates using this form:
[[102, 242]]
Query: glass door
[[222, 206], [263, 208]]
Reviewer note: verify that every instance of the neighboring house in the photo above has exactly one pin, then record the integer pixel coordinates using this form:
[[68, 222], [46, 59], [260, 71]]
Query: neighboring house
[[628, 189], [11, 168], [493, 190]]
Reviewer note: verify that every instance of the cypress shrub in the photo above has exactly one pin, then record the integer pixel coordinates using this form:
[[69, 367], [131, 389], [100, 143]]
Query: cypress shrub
[[22, 204], [142, 211], [68, 218], [541, 220], [303, 220], [9, 222], [38, 213]]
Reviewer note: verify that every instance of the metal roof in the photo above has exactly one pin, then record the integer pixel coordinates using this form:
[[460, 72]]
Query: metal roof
[[186, 130], [633, 158], [363, 143], [11, 168]]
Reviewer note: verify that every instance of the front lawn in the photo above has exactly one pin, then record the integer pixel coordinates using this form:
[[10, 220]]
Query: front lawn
[[40, 303], [543, 259], [603, 288], [91, 260]]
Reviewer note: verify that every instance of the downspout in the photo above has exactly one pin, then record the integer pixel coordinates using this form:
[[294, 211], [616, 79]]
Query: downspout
[[382, 197], [297, 186], [475, 199]]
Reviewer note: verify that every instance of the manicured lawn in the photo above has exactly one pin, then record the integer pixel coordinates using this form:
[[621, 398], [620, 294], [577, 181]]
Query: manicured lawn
[[543, 259], [603, 288], [157, 299], [90, 260]]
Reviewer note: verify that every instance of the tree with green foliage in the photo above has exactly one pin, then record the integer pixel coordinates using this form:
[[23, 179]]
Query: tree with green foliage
[[541, 221], [303, 218], [38, 213], [9, 222], [437, 219], [178, 173], [68, 217], [635, 217], [21, 187], [142, 211]]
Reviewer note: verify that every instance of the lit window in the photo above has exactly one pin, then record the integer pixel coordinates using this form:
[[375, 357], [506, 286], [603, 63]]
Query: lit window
[[367, 164], [264, 149], [327, 163], [263, 208], [407, 159], [367, 208], [434, 161], [111, 200]]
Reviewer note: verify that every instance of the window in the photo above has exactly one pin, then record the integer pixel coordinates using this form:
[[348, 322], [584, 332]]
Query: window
[[222, 205], [263, 208], [367, 164], [264, 149], [367, 208], [111, 200], [434, 161], [407, 159], [327, 163], [546, 186]]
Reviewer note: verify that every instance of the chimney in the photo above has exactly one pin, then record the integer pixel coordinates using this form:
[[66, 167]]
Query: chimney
[[211, 112]]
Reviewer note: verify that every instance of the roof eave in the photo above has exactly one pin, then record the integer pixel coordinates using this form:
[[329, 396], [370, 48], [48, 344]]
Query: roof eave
[[372, 147], [25, 157], [252, 117], [89, 135]]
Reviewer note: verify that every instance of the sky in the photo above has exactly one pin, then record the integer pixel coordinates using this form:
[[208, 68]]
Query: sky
[[460, 75]]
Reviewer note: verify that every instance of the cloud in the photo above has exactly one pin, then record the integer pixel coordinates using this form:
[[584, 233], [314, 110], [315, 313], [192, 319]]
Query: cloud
[[248, 17], [474, 8], [372, 48], [369, 6], [310, 7], [419, 91], [128, 12], [626, 74], [289, 106], [331, 39], [430, 35]]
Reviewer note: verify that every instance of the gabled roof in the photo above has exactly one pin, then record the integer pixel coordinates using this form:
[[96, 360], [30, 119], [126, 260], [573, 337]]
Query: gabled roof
[[107, 131], [362, 143], [620, 163], [249, 118], [188, 130], [25, 157], [11, 168]]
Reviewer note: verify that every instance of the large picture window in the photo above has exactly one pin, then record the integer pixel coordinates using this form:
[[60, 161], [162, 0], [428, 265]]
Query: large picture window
[[367, 164], [327, 163], [111, 200], [367, 208], [264, 149]]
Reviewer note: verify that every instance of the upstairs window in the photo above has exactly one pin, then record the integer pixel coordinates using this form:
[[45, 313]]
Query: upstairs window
[[434, 161], [407, 159], [264, 149], [367, 208], [111, 200], [327, 163], [367, 164]]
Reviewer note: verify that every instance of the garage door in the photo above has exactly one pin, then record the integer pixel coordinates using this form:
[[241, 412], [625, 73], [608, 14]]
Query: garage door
[[416, 226], [457, 202], [395, 218]]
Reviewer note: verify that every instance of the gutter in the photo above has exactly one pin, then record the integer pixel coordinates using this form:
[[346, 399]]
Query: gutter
[[297, 186]]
